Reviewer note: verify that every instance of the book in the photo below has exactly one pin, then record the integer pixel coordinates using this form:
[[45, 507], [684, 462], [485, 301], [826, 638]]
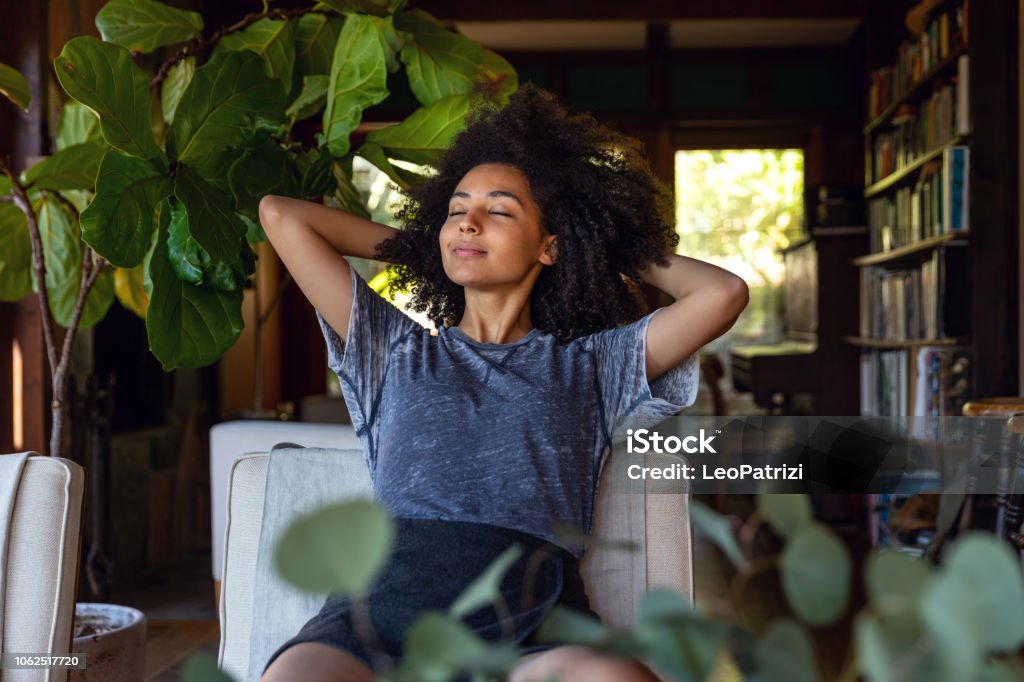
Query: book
[[955, 169]]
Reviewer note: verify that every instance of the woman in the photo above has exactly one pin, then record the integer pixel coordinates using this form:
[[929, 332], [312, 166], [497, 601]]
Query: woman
[[523, 250]]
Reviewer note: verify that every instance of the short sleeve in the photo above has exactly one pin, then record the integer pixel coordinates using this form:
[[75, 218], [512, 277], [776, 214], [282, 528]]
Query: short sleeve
[[625, 393], [360, 362]]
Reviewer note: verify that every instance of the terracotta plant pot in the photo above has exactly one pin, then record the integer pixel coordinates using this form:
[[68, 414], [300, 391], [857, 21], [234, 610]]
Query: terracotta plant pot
[[113, 639]]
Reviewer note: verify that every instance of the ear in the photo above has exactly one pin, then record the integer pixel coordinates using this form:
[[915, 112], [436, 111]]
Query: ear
[[550, 254]]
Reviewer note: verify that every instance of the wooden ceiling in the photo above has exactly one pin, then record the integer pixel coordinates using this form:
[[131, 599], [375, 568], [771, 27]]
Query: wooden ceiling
[[557, 25], [641, 10]]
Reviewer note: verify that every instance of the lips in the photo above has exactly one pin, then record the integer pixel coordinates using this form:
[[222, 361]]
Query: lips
[[468, 250]]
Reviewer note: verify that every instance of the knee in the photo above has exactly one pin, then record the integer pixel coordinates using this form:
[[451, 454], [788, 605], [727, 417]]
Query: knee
[[581, 664]]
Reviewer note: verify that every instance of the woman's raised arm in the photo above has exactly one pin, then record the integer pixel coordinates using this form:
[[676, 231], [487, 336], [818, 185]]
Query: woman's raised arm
[[709, 299], [311, 239]]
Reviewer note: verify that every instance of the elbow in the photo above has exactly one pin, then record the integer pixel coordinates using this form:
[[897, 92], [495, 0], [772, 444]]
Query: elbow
[[270, 211], [739, 294]]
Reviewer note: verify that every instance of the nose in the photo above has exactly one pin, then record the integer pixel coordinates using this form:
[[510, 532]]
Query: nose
[[466, 227]]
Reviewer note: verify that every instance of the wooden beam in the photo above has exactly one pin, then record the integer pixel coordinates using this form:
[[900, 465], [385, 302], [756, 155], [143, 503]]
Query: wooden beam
[[650, 10]]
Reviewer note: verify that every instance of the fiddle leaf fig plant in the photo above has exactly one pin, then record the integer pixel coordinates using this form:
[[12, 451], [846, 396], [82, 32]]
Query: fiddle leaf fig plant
[[151, 192]]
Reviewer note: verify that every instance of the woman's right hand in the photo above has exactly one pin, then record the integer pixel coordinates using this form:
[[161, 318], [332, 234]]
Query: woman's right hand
[[310, 240]]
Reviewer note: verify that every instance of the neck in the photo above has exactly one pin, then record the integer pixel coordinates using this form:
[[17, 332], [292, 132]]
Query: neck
[[491, 317]]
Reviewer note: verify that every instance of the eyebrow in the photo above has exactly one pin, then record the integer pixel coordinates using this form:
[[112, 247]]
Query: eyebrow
[[495, 193]]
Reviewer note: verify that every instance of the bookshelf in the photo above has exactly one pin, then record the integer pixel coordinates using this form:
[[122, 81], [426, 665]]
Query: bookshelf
[[939, 303], [914, 339]]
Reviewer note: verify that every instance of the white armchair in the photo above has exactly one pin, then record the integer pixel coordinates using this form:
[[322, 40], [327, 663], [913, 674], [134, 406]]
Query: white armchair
[[615, 580], [41, 500]]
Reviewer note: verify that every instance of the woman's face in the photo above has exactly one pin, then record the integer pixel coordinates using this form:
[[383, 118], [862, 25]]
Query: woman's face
[[493, 235]]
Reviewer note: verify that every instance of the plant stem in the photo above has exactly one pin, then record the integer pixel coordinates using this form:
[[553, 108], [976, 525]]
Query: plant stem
[[21, 200], [197, 46], [92, 265]]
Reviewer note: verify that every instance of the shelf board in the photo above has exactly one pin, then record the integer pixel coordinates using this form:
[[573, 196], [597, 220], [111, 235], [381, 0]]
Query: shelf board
[[893, 178], [925, 85], [903, 252], [911, 343]]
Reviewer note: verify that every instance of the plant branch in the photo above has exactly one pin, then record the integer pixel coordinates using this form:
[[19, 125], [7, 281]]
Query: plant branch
[[197, 46], [281, 288], [92, 265], [20, 198], [68, 206]]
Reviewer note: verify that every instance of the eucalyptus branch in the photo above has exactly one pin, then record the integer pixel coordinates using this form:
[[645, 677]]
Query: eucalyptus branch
[[20, 198], [6, 199], [197, 45], [743, 576]]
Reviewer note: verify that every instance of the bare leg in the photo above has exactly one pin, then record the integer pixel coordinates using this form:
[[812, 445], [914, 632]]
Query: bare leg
[[315, 662], [579, 664]]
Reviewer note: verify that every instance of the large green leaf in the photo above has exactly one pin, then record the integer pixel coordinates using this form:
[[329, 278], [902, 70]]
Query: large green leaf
[[15, 87], [62, 250], [202, 667], [784, 512], [119, 222], [503, 79], [211, 218], [73, 167], [893, 647], [340, 547], [718, 530], [273, 40], [103, 77], [437, 647], [265, 169], [686, 648], [219, 107], [375, 7], [188, 325], [425, 135], [438, 62], [315, 168], [485, 590], [315, 37], [192, 263], [130, 289], [187, 258], [985, 573], [358, 76], [815, 571], [311, 99], [345, 191], [173, 88], [15, 254], [786, 654], [895, 580], [144, 25], [78, 124]]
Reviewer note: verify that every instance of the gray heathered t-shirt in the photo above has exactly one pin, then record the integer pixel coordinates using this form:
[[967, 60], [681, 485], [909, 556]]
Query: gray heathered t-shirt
[[513, 435]]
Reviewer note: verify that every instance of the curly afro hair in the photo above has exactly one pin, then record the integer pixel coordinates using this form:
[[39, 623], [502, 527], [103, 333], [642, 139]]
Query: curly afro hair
[[596, 192]]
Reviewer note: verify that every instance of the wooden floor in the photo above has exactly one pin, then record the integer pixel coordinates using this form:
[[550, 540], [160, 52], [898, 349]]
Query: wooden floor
[[169, 643]]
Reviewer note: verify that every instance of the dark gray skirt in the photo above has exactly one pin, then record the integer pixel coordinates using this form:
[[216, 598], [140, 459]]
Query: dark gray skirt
[[432, 562]]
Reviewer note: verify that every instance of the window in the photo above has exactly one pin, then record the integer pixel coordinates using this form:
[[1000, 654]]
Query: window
[[735, 208]]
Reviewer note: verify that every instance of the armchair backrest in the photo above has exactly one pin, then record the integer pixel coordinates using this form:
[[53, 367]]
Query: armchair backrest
[[41, 564]]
